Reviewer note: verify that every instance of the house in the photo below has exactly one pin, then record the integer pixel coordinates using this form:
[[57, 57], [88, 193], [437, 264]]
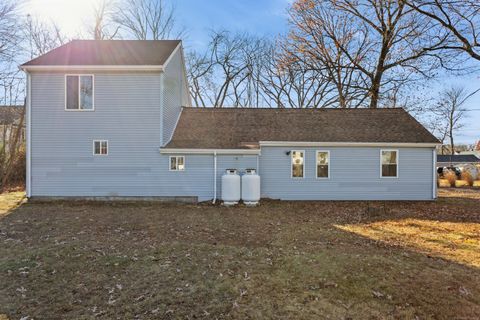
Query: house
[[456, 159], [113, 119], [475, 150]]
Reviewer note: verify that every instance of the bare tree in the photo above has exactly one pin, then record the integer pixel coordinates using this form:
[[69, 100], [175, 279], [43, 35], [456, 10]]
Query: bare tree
[[460, 18], [385, 42], [199, 68], [42, 37], [20, 38], [450, 113], [147, 20], [102, 27], [9, 31], [318, 36], [241, 70], [225, 75], [292, 84]]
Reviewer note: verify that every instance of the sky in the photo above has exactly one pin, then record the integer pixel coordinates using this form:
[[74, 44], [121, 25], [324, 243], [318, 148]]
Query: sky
[[260, 17]]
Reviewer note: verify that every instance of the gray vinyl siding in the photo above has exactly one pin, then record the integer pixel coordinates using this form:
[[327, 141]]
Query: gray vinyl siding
[[127, 114], [173, 99], [354, 175]]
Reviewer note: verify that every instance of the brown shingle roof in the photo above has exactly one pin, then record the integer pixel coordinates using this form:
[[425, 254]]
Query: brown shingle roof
[[108, 52], [232, 128]]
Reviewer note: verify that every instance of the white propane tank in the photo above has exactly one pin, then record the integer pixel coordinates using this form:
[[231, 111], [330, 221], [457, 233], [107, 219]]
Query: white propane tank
[[250, 187], [230, 187]]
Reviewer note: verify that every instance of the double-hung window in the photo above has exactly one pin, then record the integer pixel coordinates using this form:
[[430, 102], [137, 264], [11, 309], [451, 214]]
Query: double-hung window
[[297, 163], [100, 147], [177, 163], [389, 163], [323, 164], [79, 92]]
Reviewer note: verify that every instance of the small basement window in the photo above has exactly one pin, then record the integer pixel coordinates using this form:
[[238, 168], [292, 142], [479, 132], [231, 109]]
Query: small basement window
[[177, 163], [79, 93], [297, 163], [323, 160], [100, 147], [389, 163]]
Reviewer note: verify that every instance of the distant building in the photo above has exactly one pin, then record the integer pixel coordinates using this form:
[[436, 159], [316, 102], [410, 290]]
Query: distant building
[[475, 151], [456, 159]]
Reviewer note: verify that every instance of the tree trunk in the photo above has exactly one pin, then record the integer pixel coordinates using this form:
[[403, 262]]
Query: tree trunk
[[15, 144]]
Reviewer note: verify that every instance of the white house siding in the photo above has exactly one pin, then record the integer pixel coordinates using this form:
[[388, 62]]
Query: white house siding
[[175, 96], [354, 175]]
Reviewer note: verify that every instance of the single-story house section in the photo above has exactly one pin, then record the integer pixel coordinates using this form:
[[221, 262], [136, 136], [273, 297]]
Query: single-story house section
[[113, 119], [456, 159]]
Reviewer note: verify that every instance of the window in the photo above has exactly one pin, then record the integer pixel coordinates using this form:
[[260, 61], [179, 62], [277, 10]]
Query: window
[[323, 159], [177, 163], [297, 164], [79, 92], [100, 147], [389, 163]]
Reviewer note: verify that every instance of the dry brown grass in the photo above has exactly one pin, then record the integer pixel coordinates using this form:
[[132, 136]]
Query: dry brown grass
[[282, 260], [466, 176], [444, 183], [451, 177], [455, 241]]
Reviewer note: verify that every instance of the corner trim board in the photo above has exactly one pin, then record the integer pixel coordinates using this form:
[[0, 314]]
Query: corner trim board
[[29, 136], [162, 107]]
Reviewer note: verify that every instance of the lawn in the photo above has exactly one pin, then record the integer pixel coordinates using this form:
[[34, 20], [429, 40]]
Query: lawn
[[283, 260]]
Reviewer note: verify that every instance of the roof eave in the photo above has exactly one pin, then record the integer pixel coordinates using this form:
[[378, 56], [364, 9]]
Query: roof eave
[[347, 144], [159, 68], [209, 151]]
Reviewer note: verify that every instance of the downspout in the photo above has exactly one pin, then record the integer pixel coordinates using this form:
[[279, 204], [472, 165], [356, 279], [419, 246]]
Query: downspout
[[29, 136], [214, 177]]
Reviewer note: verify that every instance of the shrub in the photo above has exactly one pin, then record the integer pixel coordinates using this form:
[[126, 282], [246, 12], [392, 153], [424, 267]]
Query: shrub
[[451, 177], [17, 175], [466, 176]]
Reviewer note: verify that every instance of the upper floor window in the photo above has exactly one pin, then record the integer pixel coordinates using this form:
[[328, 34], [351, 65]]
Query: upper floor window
[[297, 163], [323, 160], [79, 92], [389, 163], [100, 147], [177, 163]]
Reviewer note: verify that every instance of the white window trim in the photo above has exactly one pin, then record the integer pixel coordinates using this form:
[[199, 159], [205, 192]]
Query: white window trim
[[100, 154], [291, 164], [316, 164], [93, 92], [170, 164], [396, 159]]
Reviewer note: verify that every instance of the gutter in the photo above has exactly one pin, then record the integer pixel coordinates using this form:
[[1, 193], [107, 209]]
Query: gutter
[[93, 67], [345, 144], [210, 151]]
